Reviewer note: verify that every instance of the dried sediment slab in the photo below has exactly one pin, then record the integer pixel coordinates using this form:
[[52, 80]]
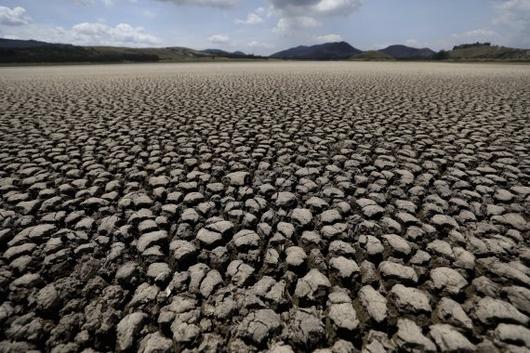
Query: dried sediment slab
[[282, 207]]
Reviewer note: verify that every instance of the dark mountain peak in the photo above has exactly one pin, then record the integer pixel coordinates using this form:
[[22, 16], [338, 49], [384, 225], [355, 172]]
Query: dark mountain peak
[[340, 44], [30, 43], [400, 51], [220, 52], [397, 46], [215, 51], [325, 51]]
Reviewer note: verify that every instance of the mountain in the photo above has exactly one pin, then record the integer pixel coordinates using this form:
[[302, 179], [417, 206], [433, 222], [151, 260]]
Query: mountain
[[162, 54], [215, 51], [226, 54], [32, 51], [326, 51], [17, 44], [399, 51], [343, 50], [372, 55], [487, 52]]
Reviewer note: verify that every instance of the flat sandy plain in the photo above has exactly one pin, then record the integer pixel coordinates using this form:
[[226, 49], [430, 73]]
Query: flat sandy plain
[[282, 207]]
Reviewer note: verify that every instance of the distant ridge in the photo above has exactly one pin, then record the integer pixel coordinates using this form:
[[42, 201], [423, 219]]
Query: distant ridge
[[487, 52], [463, 52], [326, 51], [372, 55], [33, 51], [17, 44], [343, 50], [399, 51], [224, 53]]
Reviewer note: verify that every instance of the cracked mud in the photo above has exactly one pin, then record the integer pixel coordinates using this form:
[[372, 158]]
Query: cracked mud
[[281, 207]]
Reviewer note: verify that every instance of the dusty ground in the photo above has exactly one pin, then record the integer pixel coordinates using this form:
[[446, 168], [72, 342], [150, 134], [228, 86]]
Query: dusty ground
[[251, 207]]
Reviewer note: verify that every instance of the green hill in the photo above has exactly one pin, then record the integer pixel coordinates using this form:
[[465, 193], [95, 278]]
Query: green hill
[[20, 51], [31, 51], [24, 51], [487, 52], [372, 55], [162, 54]]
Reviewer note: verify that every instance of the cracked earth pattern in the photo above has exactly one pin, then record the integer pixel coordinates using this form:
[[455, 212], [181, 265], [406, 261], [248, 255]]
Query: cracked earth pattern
[[278, 207]]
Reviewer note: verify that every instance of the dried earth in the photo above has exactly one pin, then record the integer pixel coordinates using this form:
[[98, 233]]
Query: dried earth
[[280, 207]]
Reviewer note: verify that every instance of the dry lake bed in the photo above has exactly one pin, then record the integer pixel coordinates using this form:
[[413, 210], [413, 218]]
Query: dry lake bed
[[281, 207]]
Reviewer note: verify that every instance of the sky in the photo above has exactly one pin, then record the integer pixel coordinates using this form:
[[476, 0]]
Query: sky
[[266, 26]]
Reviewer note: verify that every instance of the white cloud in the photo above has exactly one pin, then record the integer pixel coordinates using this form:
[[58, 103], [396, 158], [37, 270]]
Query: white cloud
[[513, 10], [295, 15], [87, 33], [96, 33], [256, 44], [219, 39], [205, 3], [475, 33], [411, 42], [337, 7], [85, 2], [315, 7], [252, 19], [149, 14], [513, 21], [92, 2], [287, 24], [15, 16], [266, 11], [332, 37]]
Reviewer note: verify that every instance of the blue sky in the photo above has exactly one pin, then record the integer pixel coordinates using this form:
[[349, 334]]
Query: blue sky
[[266, 26]]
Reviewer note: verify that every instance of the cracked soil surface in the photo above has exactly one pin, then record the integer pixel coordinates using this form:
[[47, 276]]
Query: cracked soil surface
[[252, 207]]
